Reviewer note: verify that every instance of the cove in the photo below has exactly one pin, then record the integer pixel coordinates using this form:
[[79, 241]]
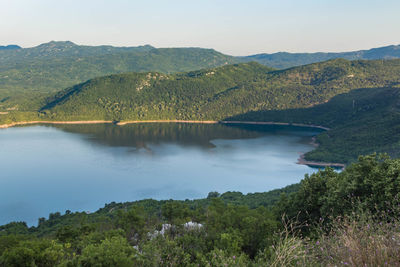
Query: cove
[[49, 168]]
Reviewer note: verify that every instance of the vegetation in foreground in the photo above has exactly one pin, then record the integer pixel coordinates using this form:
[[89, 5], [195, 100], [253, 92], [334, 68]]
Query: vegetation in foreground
[[349, 218]]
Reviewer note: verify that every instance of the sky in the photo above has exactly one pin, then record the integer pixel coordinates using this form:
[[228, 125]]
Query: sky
[[235, 27]]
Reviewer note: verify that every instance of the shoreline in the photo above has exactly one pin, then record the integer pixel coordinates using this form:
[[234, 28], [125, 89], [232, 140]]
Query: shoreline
[[275, 123], [301, 159], [13, 124], [121, 123]]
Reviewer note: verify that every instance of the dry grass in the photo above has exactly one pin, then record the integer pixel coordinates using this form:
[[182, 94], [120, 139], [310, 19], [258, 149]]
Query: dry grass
[[360, 240], [289, 250]]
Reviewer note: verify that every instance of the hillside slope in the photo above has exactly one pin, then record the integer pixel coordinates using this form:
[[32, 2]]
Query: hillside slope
[[132, 96], [215, 94]]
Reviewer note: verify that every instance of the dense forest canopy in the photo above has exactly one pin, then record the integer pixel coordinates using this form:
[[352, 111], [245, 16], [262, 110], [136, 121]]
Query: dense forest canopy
[[217, 93]]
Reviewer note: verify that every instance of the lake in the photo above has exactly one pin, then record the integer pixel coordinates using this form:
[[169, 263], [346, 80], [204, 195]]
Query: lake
[[81, 167]]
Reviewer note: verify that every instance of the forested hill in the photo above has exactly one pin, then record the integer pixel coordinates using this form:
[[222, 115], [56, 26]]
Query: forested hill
[[284, 60], [63, 49], [132, 96], [53, 66], [215, 94]]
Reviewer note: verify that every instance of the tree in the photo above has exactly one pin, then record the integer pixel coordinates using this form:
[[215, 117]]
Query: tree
[[110, 252]]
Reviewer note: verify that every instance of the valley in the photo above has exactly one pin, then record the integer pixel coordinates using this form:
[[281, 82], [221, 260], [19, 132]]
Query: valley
[[135, 144]]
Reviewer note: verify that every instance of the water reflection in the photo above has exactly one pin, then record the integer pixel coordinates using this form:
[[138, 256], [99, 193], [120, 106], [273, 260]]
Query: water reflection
[[183, 134]]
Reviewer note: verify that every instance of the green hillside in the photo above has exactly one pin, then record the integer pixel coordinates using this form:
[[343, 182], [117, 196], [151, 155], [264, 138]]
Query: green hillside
[[215, 94], [132, 96]]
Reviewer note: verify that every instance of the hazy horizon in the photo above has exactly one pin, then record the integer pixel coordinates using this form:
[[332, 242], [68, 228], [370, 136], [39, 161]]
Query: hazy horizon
[[232, 27], [200, 47]]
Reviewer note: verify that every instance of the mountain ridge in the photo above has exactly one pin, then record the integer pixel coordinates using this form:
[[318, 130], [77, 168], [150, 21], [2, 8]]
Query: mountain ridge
[[9, 47], [282, 60], [55, 65]]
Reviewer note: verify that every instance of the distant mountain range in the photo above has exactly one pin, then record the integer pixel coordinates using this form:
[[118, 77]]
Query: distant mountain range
[[284, 60], [9, 47], [54, 66]]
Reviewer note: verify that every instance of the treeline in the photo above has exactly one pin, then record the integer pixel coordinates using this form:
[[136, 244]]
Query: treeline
[[329, 219]]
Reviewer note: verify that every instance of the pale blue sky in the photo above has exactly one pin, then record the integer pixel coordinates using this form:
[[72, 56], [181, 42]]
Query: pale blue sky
[[230, 26]]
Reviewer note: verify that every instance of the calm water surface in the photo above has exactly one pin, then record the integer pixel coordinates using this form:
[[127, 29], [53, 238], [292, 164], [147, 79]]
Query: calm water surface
[[81, 167]]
